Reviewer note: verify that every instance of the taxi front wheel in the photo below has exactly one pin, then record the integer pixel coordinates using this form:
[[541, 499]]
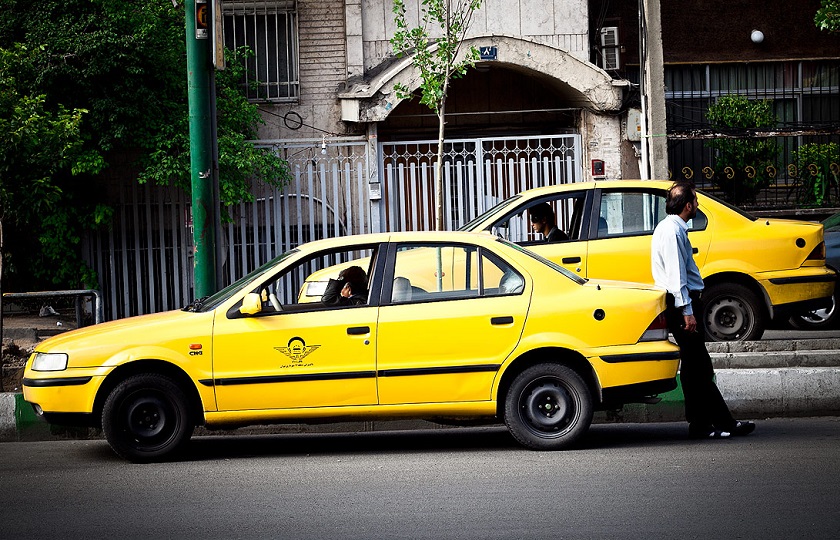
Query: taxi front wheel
[[146, 418], [548, 407]]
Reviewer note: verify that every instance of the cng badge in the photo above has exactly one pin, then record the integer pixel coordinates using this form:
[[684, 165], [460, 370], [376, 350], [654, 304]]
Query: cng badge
[[195, 349], [297, 349]]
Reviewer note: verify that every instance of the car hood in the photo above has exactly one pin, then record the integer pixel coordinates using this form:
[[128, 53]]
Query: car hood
[[142, 329]]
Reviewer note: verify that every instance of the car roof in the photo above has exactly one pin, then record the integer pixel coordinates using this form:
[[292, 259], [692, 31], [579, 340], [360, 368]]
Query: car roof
[[406, 236], [603, 184]]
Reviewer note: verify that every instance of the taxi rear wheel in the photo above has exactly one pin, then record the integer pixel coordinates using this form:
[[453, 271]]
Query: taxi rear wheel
[[146, 418], [732, 312], [548, 407], [819, 319]]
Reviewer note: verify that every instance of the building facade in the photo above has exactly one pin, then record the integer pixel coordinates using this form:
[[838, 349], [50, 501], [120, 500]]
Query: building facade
[[554, 99], [761, 51]]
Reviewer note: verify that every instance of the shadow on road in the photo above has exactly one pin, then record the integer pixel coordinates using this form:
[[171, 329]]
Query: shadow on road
[[494, 438]]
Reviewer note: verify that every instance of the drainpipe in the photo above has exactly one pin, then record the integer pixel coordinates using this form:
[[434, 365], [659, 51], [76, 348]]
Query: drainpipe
[[199, 78], [654, 142]]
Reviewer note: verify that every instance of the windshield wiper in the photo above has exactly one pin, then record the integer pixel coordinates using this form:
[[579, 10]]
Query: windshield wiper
[[196, 305]]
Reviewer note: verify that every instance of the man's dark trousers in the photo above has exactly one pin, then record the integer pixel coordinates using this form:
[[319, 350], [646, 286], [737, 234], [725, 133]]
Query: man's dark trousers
[[704, 405]]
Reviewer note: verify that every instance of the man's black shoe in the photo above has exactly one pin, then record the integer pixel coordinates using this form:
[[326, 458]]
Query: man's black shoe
[[743, 428], [706, 432]]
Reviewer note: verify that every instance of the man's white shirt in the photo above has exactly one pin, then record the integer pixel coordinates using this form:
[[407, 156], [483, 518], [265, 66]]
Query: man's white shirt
[[672, 262]]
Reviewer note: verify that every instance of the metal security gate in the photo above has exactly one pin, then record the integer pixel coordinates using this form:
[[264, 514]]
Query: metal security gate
[[144, 261], [477, 173], [327, 197]]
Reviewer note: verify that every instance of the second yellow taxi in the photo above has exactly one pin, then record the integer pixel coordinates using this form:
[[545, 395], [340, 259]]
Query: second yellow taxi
[[754, 270]]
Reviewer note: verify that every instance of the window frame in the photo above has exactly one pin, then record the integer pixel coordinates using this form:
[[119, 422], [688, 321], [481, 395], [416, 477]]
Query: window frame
[[389, 272], [566, 194], [374, 271], [596, 212], [257, 90]]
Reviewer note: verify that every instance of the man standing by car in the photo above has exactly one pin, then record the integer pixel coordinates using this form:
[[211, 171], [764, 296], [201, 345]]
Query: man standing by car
[[674, 270]]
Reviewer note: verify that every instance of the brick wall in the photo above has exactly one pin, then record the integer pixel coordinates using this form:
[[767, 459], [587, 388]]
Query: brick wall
[[323, 50], [323, 70]]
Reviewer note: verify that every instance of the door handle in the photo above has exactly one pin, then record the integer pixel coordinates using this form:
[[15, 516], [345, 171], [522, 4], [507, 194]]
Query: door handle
[[571, 260], [501, 320], [358, 330], [695, 250]]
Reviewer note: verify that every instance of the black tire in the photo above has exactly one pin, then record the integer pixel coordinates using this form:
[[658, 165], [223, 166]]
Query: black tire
[[819, 319], [732, 312], [548, 407], [147, 418]]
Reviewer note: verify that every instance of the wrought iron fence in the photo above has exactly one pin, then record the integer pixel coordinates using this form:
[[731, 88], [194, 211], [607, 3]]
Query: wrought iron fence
[[793, 163]]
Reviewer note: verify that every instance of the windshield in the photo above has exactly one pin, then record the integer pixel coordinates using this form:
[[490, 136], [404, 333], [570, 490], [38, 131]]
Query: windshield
[[214, 300], [498, 208], [551, 264]]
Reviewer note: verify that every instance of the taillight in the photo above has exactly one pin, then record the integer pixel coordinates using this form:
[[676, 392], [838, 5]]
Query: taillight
[[657, 331], [818, 253]]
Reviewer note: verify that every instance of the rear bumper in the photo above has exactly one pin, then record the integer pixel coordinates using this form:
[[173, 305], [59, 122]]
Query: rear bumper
[[800, 290]]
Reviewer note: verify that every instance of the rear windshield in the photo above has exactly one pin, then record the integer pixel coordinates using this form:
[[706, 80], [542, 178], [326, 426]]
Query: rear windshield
[[551, 264], [733, 208]]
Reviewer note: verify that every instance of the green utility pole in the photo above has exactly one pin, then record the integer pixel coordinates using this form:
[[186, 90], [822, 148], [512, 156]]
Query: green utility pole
[[199, 77]]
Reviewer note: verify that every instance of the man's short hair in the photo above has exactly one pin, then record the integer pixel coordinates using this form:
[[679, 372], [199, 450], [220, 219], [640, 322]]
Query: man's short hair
[[541, 212], [679, 195]]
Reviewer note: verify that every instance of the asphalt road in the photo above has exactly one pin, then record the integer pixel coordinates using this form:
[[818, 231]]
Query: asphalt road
[[627, 481]]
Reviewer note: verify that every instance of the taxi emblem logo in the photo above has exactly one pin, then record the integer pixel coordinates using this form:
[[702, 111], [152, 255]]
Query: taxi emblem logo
[[297, 349]]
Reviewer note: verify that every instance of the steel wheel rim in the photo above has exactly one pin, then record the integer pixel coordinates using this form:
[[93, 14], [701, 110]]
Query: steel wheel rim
[[149, 419], [548, 407], [728, 319]]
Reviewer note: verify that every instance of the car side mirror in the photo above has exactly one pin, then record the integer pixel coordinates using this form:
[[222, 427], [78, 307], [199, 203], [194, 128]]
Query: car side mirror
[[251, 304]]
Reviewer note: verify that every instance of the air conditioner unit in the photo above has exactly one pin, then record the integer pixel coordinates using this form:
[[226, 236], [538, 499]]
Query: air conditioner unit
[[610, 57]]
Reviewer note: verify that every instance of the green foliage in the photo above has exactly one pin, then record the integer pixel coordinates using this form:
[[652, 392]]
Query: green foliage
[[818, 173], [435, 58], [109, 76], [35, 144], [741, 163], [240, 161], [828, 16]]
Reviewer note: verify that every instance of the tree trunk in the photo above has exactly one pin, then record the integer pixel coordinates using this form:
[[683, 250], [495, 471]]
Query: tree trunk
[[439, 166]]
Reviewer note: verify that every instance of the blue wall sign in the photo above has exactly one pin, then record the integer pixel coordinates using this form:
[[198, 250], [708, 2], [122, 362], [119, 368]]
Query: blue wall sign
[[487, 53]]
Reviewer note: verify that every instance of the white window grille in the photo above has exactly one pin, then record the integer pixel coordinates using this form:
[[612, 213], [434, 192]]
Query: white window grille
[[270, 30], [610, 54]]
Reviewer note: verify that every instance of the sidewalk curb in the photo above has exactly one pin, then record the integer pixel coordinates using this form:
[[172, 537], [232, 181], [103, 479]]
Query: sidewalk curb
[[750, 393]]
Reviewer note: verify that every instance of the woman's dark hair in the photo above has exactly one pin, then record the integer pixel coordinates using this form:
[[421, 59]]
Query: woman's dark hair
[[355, 276], [679, 195]]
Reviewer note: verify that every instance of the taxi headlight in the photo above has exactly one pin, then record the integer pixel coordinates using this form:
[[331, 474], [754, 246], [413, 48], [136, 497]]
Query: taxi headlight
[[49, 362]]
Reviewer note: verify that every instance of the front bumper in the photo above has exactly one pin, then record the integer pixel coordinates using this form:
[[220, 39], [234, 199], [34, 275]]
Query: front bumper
[[68, 393]]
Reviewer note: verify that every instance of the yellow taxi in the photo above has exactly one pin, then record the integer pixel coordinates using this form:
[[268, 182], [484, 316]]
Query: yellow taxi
[[482, 329], [754, 269]]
